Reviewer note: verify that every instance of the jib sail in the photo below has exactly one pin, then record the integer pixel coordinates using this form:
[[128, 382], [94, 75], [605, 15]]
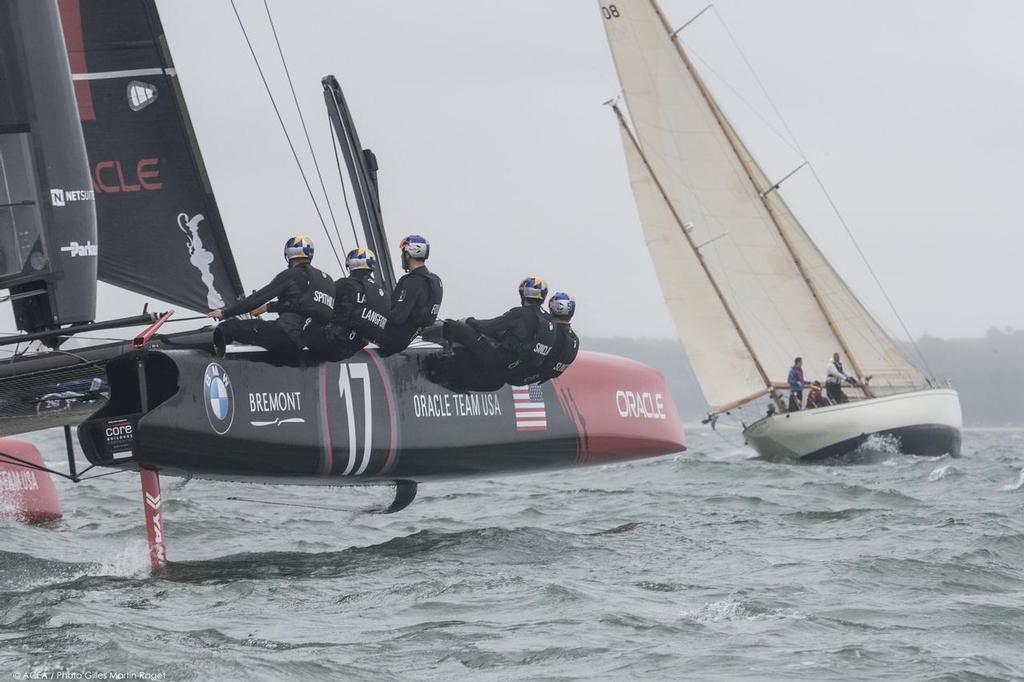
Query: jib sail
[[47, 218], [160, 233]]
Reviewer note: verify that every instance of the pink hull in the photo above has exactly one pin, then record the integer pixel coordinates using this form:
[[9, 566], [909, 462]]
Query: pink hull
[[622, 409], [26, 495]]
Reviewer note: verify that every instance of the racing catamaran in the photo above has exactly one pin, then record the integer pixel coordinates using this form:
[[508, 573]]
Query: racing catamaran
[[136, 209], [747, 287]]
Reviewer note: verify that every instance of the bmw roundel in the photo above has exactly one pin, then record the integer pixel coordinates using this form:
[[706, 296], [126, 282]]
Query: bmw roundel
[[220, 399]]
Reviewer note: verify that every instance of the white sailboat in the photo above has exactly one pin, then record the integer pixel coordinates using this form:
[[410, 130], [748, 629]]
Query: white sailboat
[[747, 287]]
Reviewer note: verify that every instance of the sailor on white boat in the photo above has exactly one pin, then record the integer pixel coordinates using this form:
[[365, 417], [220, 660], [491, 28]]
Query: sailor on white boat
[[815, 398], [834, 378]]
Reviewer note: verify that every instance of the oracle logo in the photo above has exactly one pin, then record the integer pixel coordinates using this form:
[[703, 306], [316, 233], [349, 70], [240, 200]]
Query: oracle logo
[[109, 177], [640, 405]]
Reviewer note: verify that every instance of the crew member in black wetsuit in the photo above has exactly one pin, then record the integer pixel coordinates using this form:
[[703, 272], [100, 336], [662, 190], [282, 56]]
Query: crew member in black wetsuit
[[304, 301], [416, 299], [561, 308], [509, 349], [360, 310]]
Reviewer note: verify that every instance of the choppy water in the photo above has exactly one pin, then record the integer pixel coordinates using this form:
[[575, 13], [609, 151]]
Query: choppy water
[[703, 565]]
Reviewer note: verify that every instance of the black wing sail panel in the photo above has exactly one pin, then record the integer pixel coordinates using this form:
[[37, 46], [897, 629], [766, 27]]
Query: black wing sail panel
[[160, 232], [362, 170], [47, 218]]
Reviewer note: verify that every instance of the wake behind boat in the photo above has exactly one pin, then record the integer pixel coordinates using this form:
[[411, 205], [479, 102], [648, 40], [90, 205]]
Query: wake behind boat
[[746, 285]]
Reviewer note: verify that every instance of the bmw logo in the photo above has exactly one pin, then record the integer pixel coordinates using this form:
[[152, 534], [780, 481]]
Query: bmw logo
[[220, 398]]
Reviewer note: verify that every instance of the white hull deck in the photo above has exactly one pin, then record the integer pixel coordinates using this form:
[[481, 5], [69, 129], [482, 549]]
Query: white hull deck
[[927, 422]]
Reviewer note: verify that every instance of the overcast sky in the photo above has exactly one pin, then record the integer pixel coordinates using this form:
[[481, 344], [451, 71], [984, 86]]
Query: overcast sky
[[488, 124]]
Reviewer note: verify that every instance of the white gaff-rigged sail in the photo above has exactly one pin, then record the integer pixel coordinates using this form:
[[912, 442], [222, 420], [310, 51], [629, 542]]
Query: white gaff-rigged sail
[[715, 186], [878, 356], [724, 366]]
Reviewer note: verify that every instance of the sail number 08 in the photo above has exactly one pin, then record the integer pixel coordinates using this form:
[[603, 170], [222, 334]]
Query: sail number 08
[[610, 12]]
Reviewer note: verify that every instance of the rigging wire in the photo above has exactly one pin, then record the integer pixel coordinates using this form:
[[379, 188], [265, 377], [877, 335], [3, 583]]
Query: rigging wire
[[17, 461], [188, 319], [109, 473], [874, 275], [337, 161], [754, 110], [757, 79], [305, 130], [32, 466], [284, 129], [825, 192]]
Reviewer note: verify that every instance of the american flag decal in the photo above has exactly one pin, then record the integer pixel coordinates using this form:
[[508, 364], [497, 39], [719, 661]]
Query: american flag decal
[[529, 404]]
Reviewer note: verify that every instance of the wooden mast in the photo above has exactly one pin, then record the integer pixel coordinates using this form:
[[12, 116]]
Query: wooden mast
[[736, 145], [769, 385]]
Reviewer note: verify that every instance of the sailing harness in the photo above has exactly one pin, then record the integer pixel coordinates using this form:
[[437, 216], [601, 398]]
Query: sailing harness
[[316, 305], [528, 354], [563, 355], [426, 314], [317, 301], [370, 316]]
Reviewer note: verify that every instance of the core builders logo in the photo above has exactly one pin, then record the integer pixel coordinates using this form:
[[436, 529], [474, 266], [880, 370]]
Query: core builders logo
[[220, 398]]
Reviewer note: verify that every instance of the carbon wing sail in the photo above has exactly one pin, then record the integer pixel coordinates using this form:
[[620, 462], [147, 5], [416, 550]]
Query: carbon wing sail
[[160, 232]]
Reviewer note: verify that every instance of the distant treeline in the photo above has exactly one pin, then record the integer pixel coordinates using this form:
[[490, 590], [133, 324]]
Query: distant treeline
[[988, 372]]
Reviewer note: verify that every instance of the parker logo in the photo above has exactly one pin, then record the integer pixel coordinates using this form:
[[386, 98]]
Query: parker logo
[[61, 197], [76, 249], [220, 398]]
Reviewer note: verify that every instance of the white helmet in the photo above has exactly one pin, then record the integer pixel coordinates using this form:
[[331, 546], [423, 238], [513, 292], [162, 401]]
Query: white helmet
[[562, 305], [299, 246], [360, 259], [416, 246]]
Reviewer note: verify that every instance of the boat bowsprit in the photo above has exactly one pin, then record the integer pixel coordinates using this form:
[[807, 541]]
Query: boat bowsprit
[[369, 419]]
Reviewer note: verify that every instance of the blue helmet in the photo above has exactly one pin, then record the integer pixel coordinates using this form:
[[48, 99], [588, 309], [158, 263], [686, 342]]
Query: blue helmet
[[360, 259], [533, 288], [562, 306], [416, 246], [299, 246]]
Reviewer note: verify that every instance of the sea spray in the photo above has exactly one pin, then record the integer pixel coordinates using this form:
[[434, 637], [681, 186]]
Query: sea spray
[[1018, 485]]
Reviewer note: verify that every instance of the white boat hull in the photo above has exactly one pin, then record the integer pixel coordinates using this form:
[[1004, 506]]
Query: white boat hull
[[924, 422]]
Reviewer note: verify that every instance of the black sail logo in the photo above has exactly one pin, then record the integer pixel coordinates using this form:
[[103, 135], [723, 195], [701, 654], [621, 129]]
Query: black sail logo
[[200, 258], [140, 95]]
